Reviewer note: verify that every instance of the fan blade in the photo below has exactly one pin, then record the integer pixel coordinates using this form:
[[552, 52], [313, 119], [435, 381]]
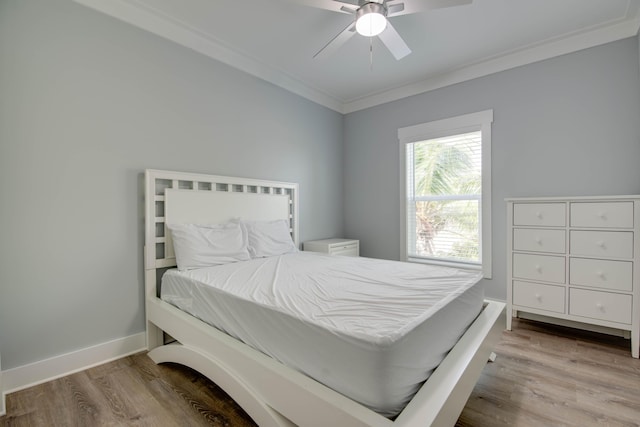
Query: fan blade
[[395, 9], [415, 6], [333, 5], [394, 42], [336, 42], [439, 4]]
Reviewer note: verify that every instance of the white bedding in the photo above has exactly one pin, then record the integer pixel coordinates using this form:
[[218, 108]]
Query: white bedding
[[373, 330]]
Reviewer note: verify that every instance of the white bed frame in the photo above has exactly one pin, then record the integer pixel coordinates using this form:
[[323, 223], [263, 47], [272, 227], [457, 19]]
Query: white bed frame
[[271, 393]]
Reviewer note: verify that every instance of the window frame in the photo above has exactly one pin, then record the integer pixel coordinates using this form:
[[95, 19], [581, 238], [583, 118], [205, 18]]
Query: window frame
[[479, 121]]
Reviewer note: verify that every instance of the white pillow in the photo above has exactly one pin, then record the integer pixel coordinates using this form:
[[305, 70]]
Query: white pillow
[[198, 246], [269, 238]]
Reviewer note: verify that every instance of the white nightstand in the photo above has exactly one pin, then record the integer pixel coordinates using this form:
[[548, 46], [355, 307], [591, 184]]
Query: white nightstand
[[345, 247]]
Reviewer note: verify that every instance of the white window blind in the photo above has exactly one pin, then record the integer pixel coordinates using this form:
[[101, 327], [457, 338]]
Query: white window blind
[[444, 189]]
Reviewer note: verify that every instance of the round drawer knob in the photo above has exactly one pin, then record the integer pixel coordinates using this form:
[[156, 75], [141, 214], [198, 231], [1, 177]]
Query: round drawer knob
[[601, 244], [599, 306], [538, 297], [538, 268], [539, 215], [538, 240], [600, 274]]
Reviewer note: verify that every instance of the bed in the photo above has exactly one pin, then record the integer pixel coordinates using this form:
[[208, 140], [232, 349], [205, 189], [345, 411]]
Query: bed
[[285, 394]]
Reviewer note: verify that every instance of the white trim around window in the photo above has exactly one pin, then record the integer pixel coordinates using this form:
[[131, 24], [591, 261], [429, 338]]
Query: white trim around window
[[441, 128]]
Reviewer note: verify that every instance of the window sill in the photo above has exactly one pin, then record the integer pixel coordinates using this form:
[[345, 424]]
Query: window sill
[[453, 264]]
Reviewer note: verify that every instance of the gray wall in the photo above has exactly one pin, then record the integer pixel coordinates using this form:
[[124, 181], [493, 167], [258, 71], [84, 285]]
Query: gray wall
[[86, 104], [566, 126]]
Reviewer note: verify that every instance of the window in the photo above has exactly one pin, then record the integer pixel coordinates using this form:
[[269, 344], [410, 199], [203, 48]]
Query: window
[[446, 191]]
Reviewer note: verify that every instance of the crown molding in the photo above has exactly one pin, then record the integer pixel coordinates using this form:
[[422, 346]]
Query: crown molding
[[505, 61], [179, 32], [156, 22]]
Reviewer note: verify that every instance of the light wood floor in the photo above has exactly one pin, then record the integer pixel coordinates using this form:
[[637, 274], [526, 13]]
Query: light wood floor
[[554, 376], [543, 376]]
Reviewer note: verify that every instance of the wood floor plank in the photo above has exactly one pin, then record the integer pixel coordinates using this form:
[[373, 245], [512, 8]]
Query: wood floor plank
[[544, 376], [211, 399], [559, 377], [142, 406], [121, 409]]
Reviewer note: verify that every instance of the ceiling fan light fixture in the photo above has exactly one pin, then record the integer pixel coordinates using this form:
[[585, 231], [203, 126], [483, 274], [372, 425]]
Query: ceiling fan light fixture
[[371, 19]]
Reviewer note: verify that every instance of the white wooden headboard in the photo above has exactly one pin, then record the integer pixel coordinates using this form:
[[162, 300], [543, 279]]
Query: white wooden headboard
[[198, 198]]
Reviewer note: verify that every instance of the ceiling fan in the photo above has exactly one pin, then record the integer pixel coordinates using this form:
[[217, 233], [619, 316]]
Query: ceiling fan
[[371, 19]]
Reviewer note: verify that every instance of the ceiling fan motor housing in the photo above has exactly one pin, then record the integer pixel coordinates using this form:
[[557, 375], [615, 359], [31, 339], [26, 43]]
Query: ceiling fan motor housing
[[371, 7], [363, 2]]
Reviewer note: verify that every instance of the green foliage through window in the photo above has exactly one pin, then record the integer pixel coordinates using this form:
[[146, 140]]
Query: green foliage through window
[[444, 190]]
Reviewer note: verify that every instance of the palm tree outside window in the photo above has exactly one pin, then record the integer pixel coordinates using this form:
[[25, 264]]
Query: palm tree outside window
[[446, 187]]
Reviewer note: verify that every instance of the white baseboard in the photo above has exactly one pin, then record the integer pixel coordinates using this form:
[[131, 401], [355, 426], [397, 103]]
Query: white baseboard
[[3, 410], [574, 324], [49, 369]]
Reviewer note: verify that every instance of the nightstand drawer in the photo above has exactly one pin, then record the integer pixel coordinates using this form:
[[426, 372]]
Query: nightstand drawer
[[612, 244], [351, 249], [602, 214], [344, 247], [539, 267], [537, 295], [539, 240], [544, 214], [598, 273], [600, 305]]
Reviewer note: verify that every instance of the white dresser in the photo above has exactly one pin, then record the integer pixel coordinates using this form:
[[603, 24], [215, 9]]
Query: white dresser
[[576, 259], [345, 247]]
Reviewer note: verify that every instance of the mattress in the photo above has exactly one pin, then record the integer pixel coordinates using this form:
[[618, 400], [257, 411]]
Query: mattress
[[372, 330]]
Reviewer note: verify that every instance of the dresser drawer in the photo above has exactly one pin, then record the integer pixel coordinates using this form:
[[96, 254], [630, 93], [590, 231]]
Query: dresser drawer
[[537, 295], [539, 240], [602, 214], [600, 305], [613, 244], [544, 214], [616, 275], [539, 267]]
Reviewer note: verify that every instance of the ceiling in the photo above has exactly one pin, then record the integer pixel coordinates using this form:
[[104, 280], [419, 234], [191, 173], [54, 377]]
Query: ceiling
[[276, 39]]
